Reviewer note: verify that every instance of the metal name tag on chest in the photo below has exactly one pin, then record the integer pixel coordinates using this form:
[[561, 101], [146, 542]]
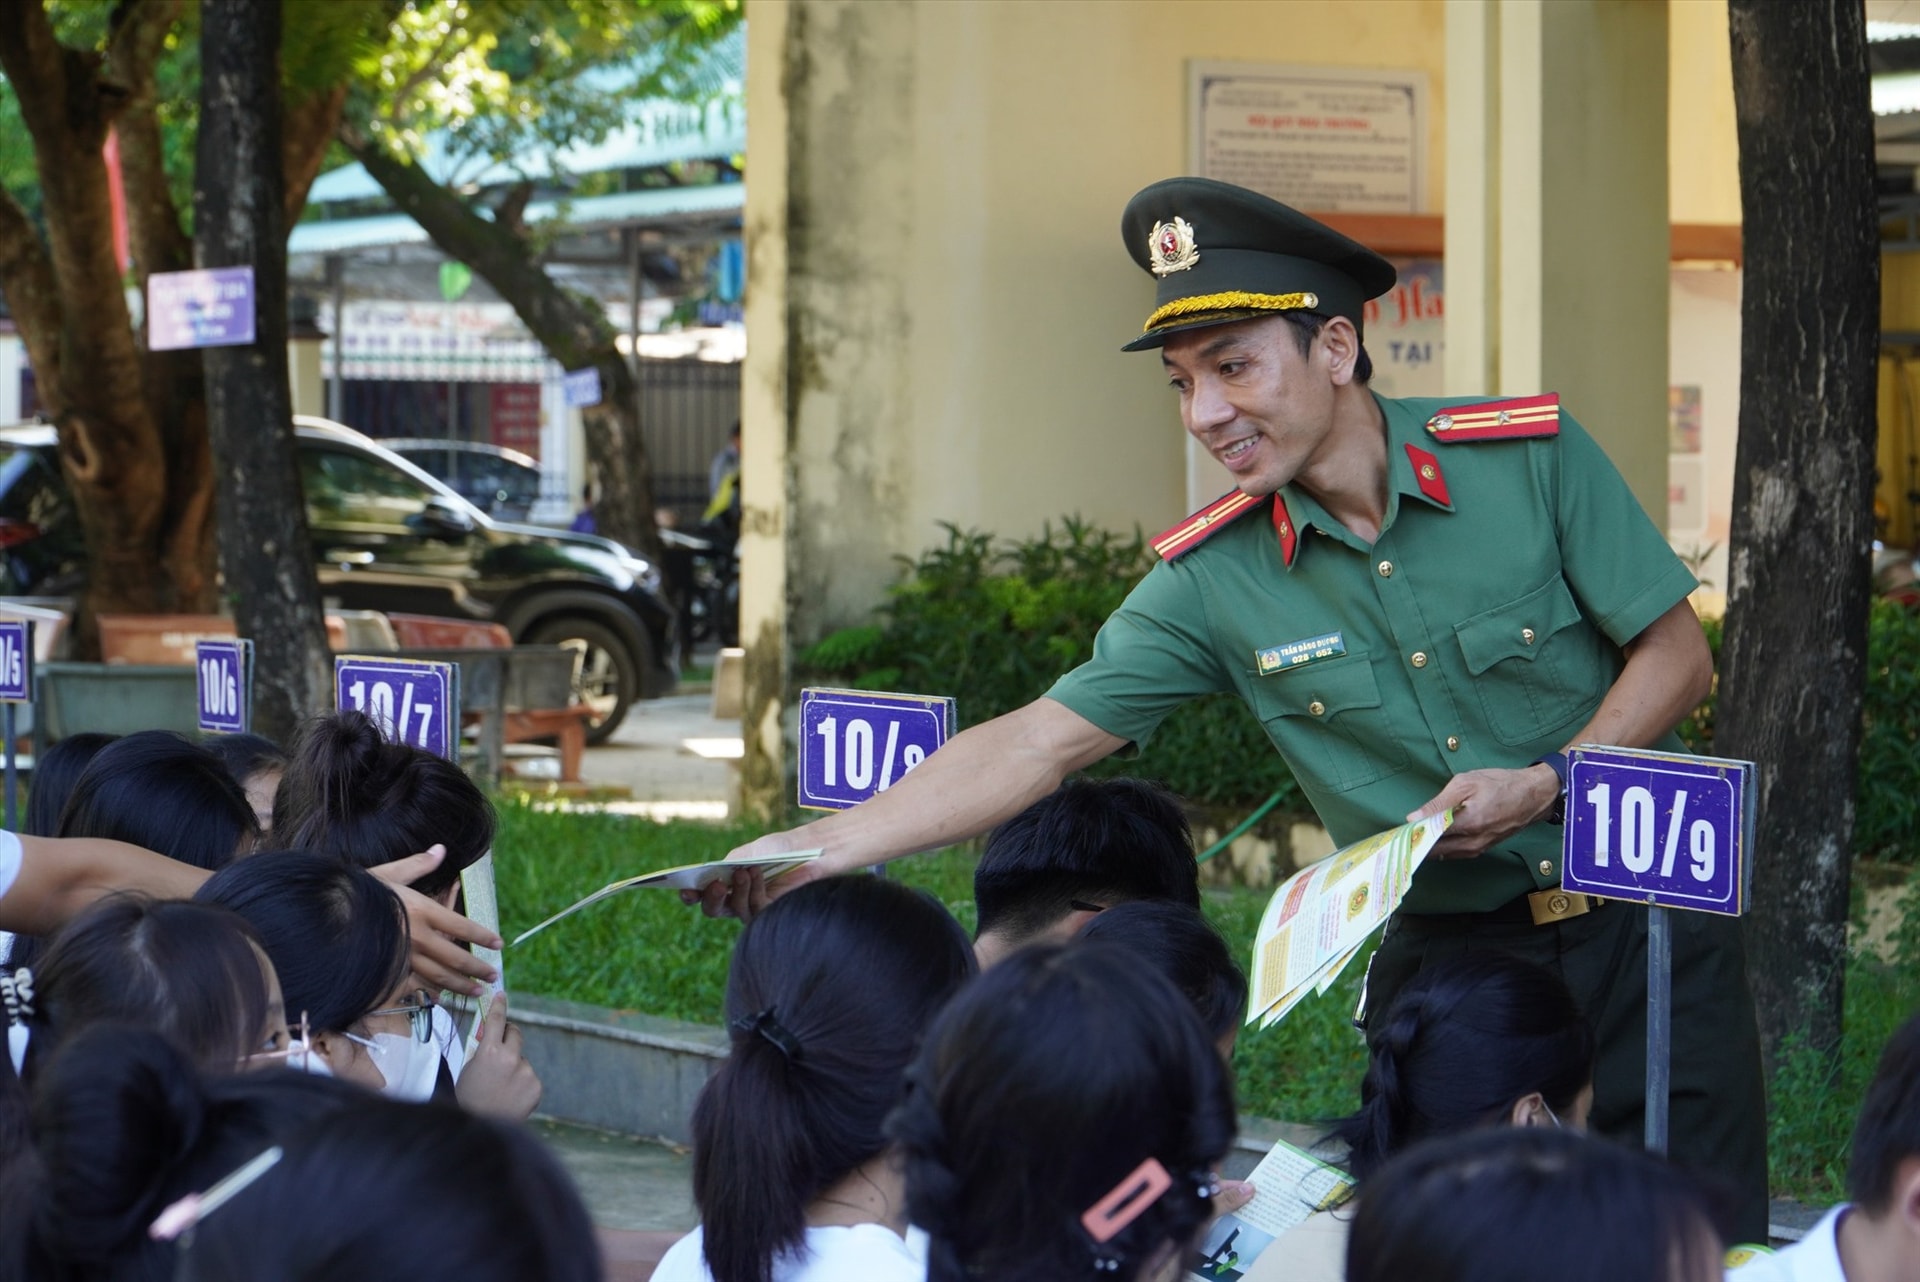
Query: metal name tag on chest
[[1296, 654]]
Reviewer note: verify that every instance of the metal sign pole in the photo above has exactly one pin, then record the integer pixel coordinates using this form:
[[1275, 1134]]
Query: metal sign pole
[[1659, 1025], [13, 776]]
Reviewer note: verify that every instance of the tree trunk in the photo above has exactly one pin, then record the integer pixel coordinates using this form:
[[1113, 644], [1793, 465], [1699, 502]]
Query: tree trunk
[[239, 211], [1794, 657], [574, 330], [110, 446]]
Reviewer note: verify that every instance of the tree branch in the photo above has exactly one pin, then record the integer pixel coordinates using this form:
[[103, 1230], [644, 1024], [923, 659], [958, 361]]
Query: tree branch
[[153, 220], [306, 131], [33, 296]]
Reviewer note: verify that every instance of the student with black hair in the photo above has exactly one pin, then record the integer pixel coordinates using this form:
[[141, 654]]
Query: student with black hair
[[428, 1194], [55, 771], [337, 936], [1088, 845], [159, 791], [123, 1125], [1521, 1205], [1479, 1041], [1063, 1121], [828, 995], [256, 764], [1874, 1237], [351, 793], [1181, 944]]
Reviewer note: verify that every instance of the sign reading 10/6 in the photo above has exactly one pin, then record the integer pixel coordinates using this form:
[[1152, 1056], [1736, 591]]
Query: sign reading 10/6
[[1659, 828], [224, 676], [413, 701], [855, 743]]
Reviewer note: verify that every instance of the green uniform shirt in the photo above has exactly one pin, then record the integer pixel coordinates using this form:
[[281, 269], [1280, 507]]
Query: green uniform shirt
[[1481, 630]]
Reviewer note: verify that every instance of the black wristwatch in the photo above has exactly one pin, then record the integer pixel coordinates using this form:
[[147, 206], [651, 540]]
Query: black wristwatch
[[1557, 762]]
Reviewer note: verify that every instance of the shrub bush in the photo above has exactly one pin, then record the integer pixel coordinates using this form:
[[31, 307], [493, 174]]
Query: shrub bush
[[1886, 815], [997, 622]]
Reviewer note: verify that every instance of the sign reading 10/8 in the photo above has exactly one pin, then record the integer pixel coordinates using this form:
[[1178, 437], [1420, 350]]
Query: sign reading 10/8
[[1658, 828], [855, 743]]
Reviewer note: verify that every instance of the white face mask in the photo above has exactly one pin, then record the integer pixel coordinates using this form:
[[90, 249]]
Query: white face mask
[[408, 1065]]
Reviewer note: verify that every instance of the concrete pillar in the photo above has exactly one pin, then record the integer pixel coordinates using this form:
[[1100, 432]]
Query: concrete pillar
[[304, 340], [1558, 242]]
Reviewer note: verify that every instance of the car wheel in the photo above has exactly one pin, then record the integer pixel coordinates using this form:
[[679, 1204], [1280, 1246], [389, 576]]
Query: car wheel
[[608, 676]]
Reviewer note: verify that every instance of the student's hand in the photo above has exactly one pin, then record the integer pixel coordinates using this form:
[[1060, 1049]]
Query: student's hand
[[498, 1082], [1488, 807], [437, 932], [1233, 1195]]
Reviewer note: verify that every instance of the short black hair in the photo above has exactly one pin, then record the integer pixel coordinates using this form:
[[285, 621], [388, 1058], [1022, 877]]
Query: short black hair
[[1180, 943], [1098, 840], [246, 755], [1494, 1205], [55, 771], [1307, 325], [1888, 1130], [161, 791]]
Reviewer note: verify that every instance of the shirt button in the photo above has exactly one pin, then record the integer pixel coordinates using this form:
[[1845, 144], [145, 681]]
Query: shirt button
[[1546, 867], [1526, 636], [1453, 743], [1419, 658], [1317, 708], [1386, 569]]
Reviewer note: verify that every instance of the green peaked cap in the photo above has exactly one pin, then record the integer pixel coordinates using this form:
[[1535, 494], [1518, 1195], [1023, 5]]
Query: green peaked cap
[[1222, 253]]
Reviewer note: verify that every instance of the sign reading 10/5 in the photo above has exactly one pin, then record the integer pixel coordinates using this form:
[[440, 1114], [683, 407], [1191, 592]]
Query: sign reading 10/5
[[1659, 828], [855, 743], [16, 661]]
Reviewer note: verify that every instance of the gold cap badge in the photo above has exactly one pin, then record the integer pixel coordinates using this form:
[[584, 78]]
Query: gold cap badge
[[1170, 247]]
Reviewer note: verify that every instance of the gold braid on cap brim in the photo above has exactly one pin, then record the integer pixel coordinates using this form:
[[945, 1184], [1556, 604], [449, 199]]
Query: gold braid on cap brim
[[1203, 306]]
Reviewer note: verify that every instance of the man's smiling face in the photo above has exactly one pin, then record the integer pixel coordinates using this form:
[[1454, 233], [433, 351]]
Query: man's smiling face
[[1250, 396]]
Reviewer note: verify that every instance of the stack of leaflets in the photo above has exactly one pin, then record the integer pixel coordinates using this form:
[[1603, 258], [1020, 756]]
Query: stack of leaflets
[[1290, 1184], [687, 877], [1321, 917]]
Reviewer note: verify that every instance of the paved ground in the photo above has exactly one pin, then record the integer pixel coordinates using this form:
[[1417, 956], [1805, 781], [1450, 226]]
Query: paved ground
[[628, 1183]]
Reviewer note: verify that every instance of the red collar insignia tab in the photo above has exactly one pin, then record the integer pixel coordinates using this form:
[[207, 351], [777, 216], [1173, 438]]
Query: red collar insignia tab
[[1289, 532], [1428, 476], [1202, 525], [1498, 420]]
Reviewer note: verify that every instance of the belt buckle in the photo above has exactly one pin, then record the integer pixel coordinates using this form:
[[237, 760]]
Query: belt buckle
[[1555, 904]]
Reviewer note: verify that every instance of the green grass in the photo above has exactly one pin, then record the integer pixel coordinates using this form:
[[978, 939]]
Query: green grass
[[645, 951]]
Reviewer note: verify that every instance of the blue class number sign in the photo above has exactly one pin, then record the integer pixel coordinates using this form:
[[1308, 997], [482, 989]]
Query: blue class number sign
[[413, 701], [1659, 828], [223, 676], [857, 743], [16, 661]]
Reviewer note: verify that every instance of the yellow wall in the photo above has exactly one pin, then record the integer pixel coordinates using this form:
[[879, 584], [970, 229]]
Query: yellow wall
[[955, 275], [1703, 150]]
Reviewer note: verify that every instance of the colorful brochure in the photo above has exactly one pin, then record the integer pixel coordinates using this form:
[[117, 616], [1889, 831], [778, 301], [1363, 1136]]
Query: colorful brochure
[[686, 877], [1318, 920]]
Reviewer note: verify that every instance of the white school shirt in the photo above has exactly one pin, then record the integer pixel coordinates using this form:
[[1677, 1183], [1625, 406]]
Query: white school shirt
[[834, 1253], [10, 858], [1814, 1258]]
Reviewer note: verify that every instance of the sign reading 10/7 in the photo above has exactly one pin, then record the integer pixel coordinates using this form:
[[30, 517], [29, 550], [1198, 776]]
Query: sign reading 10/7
[[413, 701], [1658, 828], [855, 743]]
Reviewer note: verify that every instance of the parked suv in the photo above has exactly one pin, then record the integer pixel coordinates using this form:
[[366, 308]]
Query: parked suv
[[501, 482], [389, 537]]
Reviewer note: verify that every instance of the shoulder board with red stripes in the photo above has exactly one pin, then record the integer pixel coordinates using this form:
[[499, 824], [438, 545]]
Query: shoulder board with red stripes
[[1196, 529], [1498, 420]]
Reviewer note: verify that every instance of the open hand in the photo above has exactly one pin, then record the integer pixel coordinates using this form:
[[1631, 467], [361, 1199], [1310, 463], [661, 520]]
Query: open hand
[[436, 931], [498, 1082]]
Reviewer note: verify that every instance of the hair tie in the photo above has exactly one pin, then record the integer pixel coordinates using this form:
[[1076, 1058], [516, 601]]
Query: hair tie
[[770, 1028], [17, 991]]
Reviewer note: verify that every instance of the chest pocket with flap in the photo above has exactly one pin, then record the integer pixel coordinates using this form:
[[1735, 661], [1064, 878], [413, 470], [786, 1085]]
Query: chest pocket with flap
[[1327, 720], [1537, 666]]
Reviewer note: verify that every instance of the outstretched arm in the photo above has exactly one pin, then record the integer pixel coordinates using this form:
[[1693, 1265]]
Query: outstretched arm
[[981, 777]]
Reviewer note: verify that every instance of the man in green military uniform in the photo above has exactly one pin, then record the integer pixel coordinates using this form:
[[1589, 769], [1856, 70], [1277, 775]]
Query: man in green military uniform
[[1424, 602]]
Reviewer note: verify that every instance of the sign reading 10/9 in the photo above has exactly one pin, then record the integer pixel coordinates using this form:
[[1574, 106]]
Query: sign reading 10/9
[[1659, 828], [855, 743]]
